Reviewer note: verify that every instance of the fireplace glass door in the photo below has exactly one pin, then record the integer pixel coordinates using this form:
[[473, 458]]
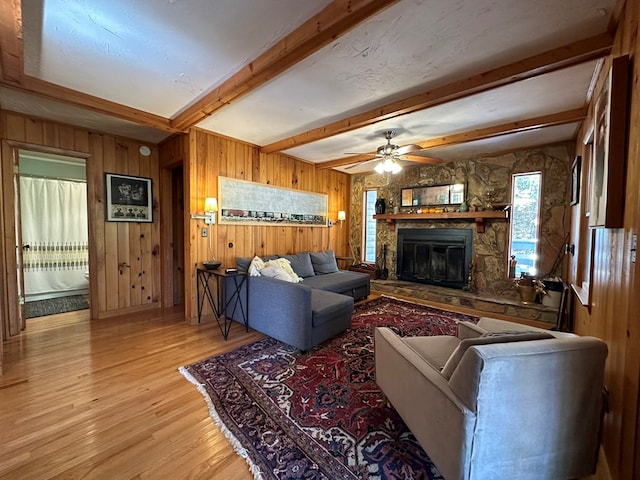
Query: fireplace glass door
[[434, 256]]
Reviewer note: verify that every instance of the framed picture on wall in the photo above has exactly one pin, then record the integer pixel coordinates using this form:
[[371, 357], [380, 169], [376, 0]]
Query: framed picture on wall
[[575, 180], [608, 162], [128, 199]]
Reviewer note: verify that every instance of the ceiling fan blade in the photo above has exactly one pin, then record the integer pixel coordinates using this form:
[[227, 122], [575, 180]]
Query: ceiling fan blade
[[409, 148], [361, 153], [360, 164], [421, 159]]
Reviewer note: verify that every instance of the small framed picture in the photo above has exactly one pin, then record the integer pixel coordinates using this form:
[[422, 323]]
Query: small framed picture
[[129, 199], [575, 180]]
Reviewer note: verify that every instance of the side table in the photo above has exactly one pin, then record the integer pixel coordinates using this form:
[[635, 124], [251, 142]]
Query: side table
[[219, 303], [348, 262]]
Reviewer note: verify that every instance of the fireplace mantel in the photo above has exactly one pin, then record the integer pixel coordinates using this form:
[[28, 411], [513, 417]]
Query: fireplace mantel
[[478, 217]]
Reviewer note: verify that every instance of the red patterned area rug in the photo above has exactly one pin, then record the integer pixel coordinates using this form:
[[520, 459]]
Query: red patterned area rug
[[320, 415]]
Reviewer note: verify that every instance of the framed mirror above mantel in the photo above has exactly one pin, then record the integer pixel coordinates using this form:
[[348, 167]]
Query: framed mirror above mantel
[[434, 195]]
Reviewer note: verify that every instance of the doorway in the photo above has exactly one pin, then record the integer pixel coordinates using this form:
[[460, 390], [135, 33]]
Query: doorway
[[53, 234]]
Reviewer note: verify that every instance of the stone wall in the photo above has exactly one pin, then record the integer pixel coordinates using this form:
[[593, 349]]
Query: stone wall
[[490, 249]]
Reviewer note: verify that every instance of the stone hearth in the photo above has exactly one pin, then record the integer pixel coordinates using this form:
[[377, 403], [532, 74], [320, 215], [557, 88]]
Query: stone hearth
[[484, 305]]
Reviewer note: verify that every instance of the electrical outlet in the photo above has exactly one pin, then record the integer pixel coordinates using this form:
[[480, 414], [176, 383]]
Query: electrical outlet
[[205, 232]]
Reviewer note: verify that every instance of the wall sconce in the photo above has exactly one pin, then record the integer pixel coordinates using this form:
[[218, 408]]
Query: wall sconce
[[342, 216], [210, 209]]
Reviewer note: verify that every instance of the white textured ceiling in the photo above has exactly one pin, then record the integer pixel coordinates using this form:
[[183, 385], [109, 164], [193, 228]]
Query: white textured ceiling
[[161, 56]]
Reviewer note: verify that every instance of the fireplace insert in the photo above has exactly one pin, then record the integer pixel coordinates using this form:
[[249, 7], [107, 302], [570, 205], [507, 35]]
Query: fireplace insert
[[434, 256]]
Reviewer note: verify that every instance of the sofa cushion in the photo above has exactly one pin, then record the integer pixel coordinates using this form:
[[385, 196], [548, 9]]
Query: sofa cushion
[[435, 349], [469, 330], [338, 282], [324, 262], [301, 264], [486, 339], [326, 306]]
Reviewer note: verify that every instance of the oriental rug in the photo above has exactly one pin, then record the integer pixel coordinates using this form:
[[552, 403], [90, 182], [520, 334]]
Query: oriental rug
[[320, 414]]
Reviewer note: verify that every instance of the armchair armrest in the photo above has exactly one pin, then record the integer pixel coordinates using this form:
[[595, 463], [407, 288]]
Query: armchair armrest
[[438, 418]]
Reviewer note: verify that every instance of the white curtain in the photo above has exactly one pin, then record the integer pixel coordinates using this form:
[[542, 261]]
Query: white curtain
[[54, 226]]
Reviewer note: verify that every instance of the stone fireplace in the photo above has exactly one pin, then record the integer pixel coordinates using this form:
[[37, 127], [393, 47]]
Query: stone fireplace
[[434, 256]]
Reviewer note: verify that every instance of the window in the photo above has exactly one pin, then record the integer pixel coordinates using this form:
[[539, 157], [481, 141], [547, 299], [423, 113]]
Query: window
[[525, 223], [369, 226]]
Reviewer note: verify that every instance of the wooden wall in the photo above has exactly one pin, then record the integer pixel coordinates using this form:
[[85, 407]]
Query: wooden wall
[[615, 281], [124, 258], [211, 156]]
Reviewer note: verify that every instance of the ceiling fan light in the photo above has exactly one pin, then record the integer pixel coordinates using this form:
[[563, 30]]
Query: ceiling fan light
[[395, 167], [388, 164]]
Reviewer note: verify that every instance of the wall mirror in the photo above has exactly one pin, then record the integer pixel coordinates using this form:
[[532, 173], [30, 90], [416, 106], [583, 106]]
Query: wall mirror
[[434, 195]]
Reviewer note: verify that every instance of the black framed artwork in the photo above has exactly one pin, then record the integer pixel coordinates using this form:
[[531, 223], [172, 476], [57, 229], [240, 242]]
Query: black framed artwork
[[128, 198]]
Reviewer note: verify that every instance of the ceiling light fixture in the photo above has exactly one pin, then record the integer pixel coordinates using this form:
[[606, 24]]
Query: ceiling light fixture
[[388, 164]]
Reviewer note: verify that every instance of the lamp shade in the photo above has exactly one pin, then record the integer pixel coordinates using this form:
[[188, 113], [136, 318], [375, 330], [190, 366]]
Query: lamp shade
[[342, 215], [210, 204]]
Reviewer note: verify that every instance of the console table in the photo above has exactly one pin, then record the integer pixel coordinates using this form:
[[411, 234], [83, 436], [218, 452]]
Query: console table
[[219, 303]]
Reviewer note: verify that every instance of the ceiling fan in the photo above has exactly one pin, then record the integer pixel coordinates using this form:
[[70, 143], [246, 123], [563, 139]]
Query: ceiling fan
[[389, 154]]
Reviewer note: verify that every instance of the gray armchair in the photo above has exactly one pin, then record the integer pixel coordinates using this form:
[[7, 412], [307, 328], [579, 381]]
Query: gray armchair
[[521, 404]]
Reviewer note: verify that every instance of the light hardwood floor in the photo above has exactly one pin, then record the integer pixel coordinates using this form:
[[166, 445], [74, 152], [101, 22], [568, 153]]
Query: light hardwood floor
[[104, 400]]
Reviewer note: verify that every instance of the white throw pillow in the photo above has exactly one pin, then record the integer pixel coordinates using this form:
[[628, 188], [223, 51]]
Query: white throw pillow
[[273, 270], [257, 264], [285, 264]]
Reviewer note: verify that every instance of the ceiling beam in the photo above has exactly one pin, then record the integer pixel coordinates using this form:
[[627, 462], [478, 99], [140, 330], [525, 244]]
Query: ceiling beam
[[12, 76], [335, 20], [554, 119], [58, 93], [555, 59], [560, 118], [11, 54]]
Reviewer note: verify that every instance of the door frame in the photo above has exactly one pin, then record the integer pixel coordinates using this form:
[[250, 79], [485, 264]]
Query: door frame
[[12, 324]]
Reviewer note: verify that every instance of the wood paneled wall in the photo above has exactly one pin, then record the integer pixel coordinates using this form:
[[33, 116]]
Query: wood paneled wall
[[211, 156], [124, 258], [615, 278]]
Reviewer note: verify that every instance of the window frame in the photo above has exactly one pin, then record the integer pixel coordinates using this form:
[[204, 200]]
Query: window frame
[[365, 224], [537, 260]]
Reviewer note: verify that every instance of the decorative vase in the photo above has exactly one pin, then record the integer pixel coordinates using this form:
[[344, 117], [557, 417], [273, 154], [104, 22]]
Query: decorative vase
[[464, 206], [527, 294]]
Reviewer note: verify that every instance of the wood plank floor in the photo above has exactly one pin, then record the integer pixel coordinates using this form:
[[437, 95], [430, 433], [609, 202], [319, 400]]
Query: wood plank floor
[[104, 400]]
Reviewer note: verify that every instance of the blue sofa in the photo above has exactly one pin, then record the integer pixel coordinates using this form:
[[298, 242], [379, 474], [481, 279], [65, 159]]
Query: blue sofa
[[303, 314]]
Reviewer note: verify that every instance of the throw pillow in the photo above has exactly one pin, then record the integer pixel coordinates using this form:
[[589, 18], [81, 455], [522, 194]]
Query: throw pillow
[[486, 339], [273, 270], [324, 262], [301, 264], [256, 266], [285, 265], [243, 263]]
